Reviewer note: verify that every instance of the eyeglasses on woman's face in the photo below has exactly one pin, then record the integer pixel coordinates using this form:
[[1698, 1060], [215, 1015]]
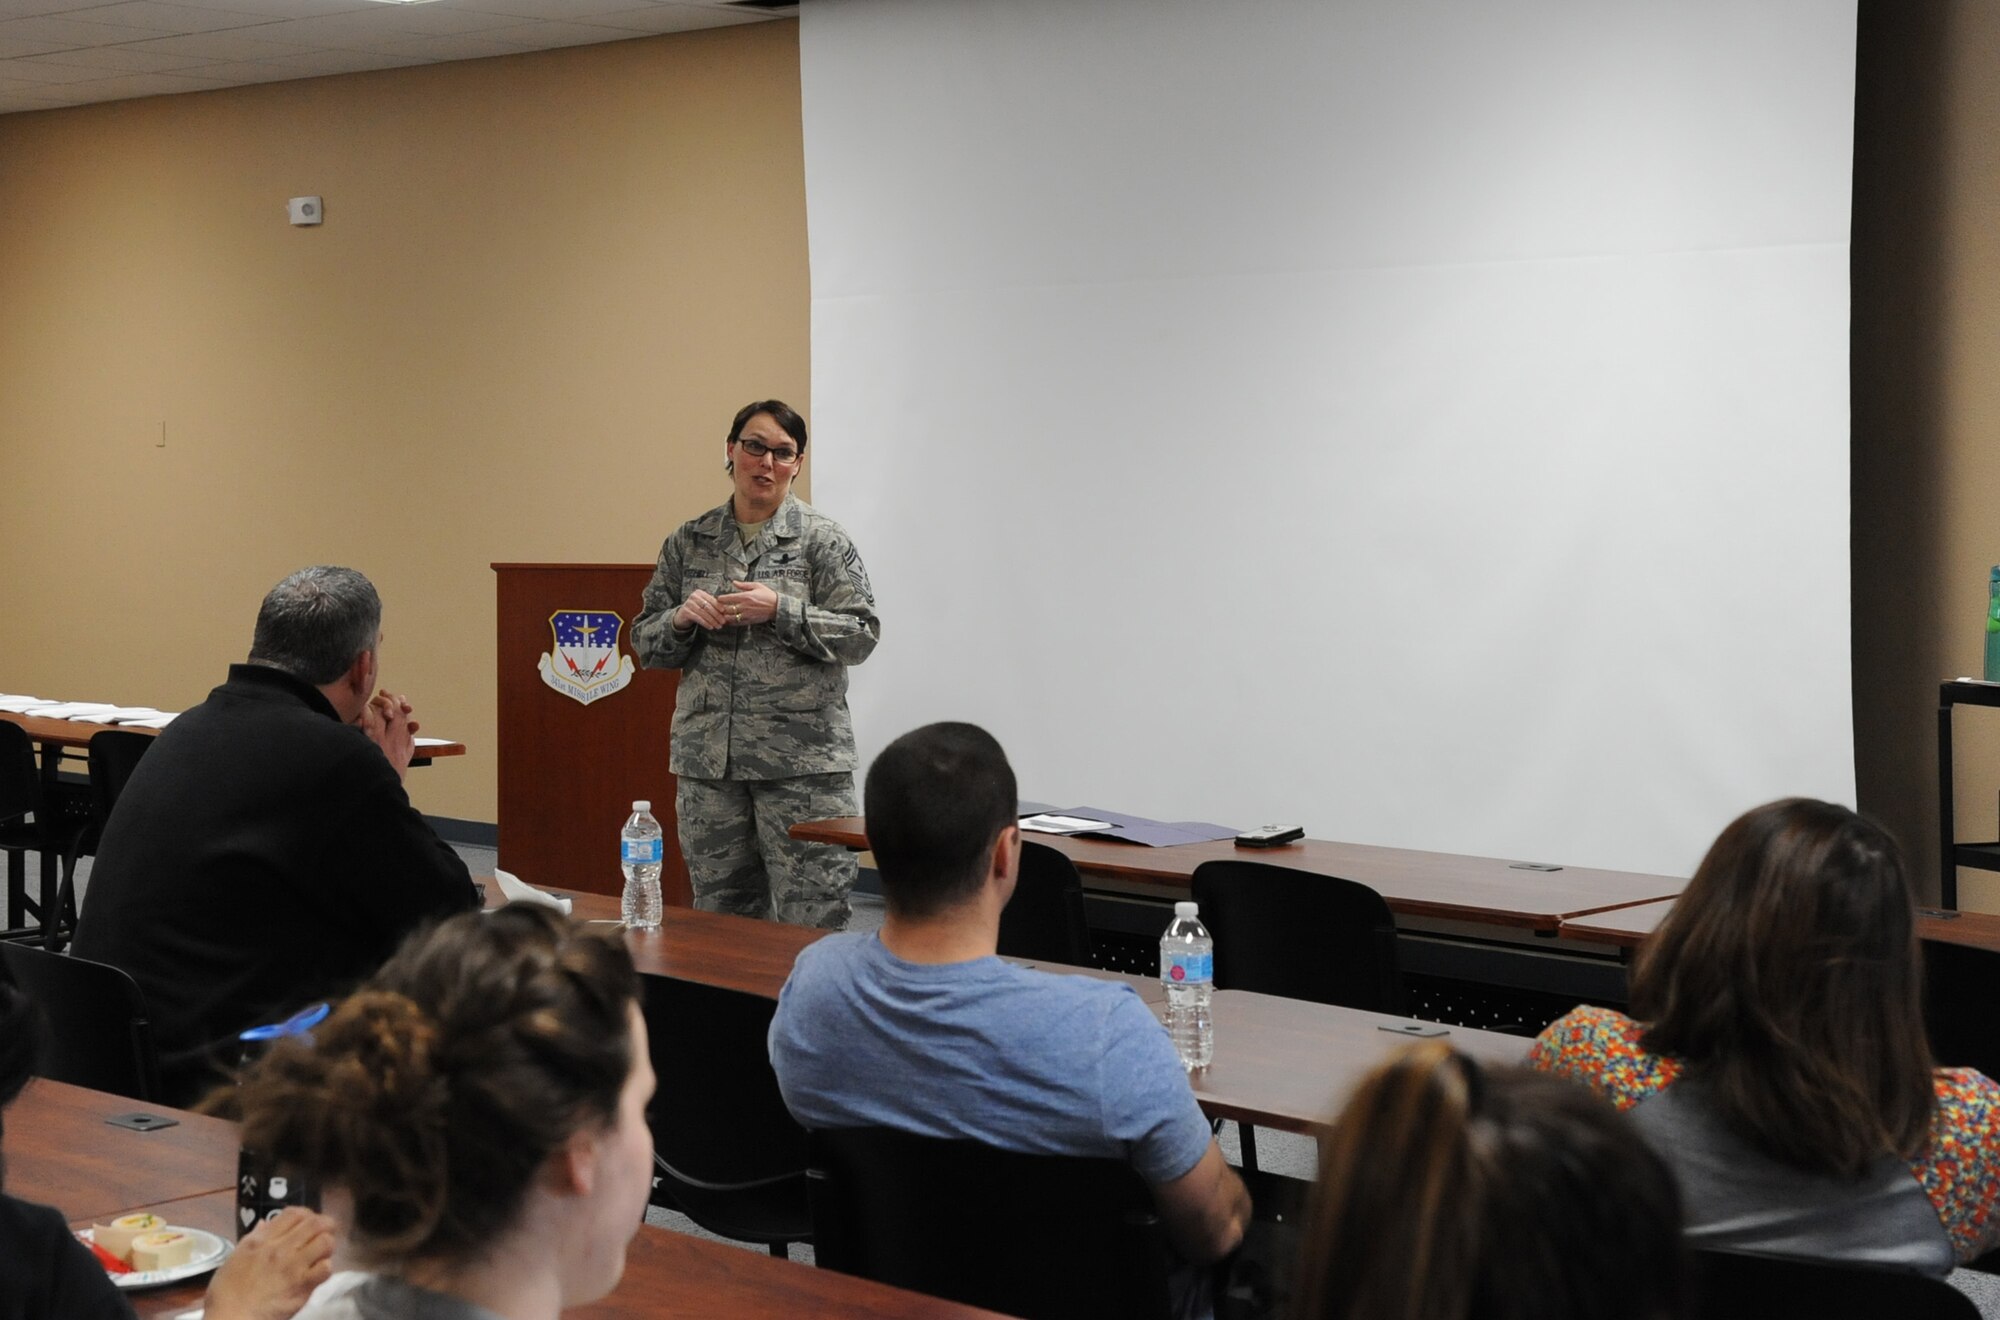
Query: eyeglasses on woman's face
[[755, 448]]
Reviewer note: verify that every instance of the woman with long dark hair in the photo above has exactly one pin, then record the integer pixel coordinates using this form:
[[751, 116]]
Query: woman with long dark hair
[[1776, 1055]]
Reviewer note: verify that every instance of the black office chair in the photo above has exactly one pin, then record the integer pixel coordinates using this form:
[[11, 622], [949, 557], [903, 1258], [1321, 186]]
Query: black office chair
[[114, 755], [1742, 1285], [100, 1034], [1958, 1007], [1304, 936], [1044, 919], [726, 1151], [1045, 1237], [29, 822]]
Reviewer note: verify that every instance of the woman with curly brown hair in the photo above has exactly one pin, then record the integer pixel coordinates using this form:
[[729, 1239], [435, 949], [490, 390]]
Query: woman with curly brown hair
[[477, 1112]]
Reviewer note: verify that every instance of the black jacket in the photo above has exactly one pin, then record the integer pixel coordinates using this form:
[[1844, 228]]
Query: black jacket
[[263, 856]]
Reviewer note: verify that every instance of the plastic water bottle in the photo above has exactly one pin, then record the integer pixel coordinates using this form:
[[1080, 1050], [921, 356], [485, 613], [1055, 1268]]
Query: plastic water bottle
[[1992, 673], [640, 847], [1187, 973]]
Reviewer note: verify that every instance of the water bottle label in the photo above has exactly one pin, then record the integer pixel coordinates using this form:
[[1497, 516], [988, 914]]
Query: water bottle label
[[1191, 968], [637, 852]]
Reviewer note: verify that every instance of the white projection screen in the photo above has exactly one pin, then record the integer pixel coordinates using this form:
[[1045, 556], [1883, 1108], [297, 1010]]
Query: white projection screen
[[1423, 422]]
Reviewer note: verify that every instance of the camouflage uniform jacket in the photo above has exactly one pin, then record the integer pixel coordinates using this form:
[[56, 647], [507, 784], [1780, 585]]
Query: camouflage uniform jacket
[[767, 701]]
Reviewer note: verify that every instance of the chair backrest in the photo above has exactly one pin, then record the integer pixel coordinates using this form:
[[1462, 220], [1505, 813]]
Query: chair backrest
[[114, 754], [1045, 1237], [1044, 919], [1741, 1285], [100, 1034], [718, 1119], [20, 777], [1305, 936], [1958, 1011]]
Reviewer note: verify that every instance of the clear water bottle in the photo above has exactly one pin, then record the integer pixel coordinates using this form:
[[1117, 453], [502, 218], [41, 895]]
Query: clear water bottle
[[640, 847], [1187, 973], [1992, 672]]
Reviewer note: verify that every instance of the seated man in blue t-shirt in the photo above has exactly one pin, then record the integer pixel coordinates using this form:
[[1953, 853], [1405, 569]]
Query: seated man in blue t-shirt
[[924, 1029]]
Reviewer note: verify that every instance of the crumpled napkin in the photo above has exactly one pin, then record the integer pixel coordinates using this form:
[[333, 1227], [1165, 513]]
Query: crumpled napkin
[[515, 891]]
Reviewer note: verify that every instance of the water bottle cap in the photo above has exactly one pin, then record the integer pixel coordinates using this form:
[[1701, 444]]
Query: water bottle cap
[[1184, 908], [641, 805], [1994, 576]]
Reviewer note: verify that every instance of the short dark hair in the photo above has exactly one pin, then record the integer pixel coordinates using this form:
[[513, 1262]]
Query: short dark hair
[[782, 413], [937, 797], [1449, 1191], [1788, 977], [314, 623], [436, 1091]]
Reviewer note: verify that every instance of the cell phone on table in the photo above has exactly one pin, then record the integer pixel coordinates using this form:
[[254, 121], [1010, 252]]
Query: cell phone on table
[[143, 1122]]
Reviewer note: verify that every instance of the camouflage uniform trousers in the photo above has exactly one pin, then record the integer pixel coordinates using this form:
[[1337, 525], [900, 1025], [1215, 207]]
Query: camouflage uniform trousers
[[742, 860]]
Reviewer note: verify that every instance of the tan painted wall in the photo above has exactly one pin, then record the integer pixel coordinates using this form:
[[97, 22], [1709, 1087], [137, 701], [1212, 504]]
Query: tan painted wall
[[1969, 377], [544, 284], [1926, 413]]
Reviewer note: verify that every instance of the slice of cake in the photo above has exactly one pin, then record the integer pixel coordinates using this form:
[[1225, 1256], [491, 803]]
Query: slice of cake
[[164, 1250], [116, 1236]]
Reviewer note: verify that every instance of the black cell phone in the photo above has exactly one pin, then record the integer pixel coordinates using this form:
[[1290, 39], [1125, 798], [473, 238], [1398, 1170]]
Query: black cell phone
[[1270, 836], [1415, 1028], [1533, 866], [143, 1122]]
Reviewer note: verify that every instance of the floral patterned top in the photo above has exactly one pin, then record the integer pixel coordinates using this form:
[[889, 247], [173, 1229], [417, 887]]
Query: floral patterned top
[[1959, 1170]]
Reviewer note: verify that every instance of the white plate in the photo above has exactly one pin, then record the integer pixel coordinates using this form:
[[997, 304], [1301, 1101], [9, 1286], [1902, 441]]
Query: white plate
[[209, 1252]]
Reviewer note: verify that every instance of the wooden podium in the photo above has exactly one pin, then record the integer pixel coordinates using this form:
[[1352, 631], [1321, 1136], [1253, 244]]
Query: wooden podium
[[570, 771]]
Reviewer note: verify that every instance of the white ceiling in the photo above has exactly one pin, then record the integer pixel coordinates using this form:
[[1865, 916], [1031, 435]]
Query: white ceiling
[[72, 52]]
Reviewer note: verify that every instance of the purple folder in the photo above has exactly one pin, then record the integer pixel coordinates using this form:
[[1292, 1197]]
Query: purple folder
[[1152, 833]]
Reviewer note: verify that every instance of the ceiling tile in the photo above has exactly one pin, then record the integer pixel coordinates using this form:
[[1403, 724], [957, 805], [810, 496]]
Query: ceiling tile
[[15, 47], [463, 46], [548, 36], [238, 45], [241, 72], [68, 31], [441, 19], [143, 84], [668, 18], [38, 72], [156, 16], [285, 8], [317, 62], [551, 10], [119, 59], [37, 8]]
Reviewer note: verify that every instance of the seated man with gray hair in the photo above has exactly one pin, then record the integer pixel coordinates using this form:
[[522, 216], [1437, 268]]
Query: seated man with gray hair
[[264, 854]]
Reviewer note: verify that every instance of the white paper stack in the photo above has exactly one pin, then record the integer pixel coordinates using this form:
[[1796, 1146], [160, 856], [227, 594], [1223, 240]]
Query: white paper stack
[[74, 710]]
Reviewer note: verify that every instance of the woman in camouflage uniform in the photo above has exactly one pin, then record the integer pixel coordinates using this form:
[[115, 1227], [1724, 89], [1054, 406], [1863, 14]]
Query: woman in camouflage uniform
[[762, 604]]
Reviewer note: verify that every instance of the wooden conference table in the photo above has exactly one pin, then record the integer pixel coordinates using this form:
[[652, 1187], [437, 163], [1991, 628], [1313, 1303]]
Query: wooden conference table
[[1279, 1063], [1480, 890], [61, 1152], [1627, 928], [1482, 928]]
